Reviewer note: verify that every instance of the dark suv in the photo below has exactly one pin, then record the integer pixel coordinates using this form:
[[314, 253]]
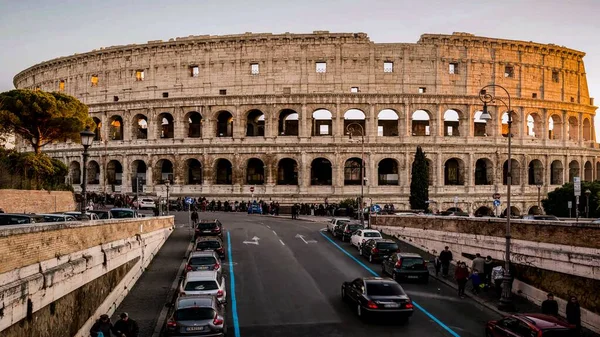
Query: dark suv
[[345, 231], [406, 265], [211, 243], [209, 228], [538, 325], [378, 249]]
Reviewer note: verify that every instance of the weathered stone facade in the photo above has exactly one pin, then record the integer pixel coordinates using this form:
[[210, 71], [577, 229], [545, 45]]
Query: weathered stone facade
[[216, 115]]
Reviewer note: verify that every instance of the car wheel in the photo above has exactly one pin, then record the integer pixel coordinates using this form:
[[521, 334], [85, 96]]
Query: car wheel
[[371, 258]]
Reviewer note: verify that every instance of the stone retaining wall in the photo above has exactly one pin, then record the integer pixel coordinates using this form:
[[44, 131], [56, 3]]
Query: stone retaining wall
[[35, 201]]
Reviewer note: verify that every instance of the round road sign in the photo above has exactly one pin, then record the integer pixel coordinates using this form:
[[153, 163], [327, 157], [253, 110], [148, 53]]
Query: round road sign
[[252, 189]]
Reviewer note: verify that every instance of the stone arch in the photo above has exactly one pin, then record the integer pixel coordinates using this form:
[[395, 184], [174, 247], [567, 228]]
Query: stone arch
[[535, 172], [387, 172], [514, 211], [139, 127], [167, 128], [194, 124], [587, 130], [321, 172], [483, 211], [573, 170], [288, 123], [287, 172], [353, 117], [165, 171], [504, 124], [515, 170], [224, 124], [114, 172], [573, 128], [255, 172], [387, 123], [454, 172], [479, 125], [93, 172], [352, 171], [420, 123], [451, 123], [255, 123], [223, 172], [588, 172], [139, 169], [534, 210], [484, 172], [75, 172], [98, 129], [193, 172], [534, 125], [554, 127], [116, 127], [556, 173]]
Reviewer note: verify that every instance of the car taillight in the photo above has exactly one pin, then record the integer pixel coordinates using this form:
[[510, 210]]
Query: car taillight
[[221, 250], [374, 251], [219, 293], [540, 333], [372, 305], [217, 320], [409, 305], [216, 266], [188, 267], [171, 323], [398, 264], [425, 264]]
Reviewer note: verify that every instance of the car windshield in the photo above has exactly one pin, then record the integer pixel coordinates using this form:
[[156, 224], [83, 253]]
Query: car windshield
[[207, 225], [412, 263], [354, 227], [121, 214], [208, 244], [372, 235], [557, 333], [102, 215], [202, 260], [387, 245], [384, 289], [201, 285], [194, 314]]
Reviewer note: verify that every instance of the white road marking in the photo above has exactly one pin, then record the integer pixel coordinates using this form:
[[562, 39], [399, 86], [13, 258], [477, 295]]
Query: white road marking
[[269, 227], [305, 241], [275, 233], [253, 242], [281, 242]]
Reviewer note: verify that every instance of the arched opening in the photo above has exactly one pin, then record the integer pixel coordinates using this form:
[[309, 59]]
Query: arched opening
[[535, 172], [139, 169], [451, 123], [483, 211], [556, 173], [75, 172], [224, 172], [140, 127], [420, 123], [288, 123], [194, 120], [320, 172], [454, 172], [484, 173], [114, 173], [98, 129], [573, 170], [165, 168], [353, 117], [534, 125], [387, 172], [352, 168], [573, 131], [515, 172], [554, 127], [167, 129], [514, 211], [255, 124], [93, 173], [479, 125], [387, 123], [504, 125], [116, 128], [194, 172], [255, 172], [534, 210], [587, 171], [287, 172], [587, 130], [224, 124], [322, 123]]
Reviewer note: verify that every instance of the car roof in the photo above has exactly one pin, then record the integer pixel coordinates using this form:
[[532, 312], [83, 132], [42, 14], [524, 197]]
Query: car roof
[[544, 321], [203, 253], [370, 231], [194, 301], [376, 279], [409, 255], [384, 240], [209, 238], [201, 275]]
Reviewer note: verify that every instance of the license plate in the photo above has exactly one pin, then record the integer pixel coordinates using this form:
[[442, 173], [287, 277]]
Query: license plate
[[386, 256], [209, 231], [412, 276], [391, 305], [194, 328], [202, 267]]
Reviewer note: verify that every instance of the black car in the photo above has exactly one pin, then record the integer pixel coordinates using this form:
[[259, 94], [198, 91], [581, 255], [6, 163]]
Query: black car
[[378, 249], [406, 266], [20, 219], [211, 243], [208, 228], [345, 231], [377, 295]]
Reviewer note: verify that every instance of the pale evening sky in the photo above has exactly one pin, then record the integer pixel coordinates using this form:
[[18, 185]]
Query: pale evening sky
[[35, 31]]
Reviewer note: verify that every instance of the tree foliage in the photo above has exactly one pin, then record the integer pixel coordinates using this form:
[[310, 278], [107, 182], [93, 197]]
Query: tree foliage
[[557, 201], [31, 171], [43, 117], [419, 184]]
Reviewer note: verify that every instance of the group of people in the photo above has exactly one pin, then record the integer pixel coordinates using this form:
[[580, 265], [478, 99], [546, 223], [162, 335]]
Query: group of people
[[572, 311], [124, 327]]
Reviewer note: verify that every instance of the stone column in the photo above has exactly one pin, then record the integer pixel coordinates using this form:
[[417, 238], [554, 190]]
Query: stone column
[[407, 171], [371, 123], [466, 123], [239, 121], [152, 125], [304, 122], [179, 124], [470, 171], [405, 130], [580, 128], [565, 123], [127, 121], [126, 175]]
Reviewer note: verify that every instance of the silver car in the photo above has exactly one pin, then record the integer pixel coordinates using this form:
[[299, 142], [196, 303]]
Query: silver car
[[195, 316]]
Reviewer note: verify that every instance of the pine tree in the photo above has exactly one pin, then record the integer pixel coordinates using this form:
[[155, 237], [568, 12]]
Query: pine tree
[[419, 184]]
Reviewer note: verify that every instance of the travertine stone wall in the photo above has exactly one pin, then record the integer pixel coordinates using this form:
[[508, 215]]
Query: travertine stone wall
[[25, 201]]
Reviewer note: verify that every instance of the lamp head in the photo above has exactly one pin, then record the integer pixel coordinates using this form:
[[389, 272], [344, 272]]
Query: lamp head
[[485, 115], [87, 137], [588, 192]]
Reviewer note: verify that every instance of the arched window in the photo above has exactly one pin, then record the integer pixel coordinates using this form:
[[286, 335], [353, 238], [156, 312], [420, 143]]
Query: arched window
[[114, 173], [194, 120], [287, 172], [322, 123], [255, 124], [98, 129], [451, 123], [573, 170], [352, 171], [355, 116], [93, 173], [387, 172], [167, 129], [224, 172], [140, 127], [534, 125], [587, 130], [255, 172], [556, 173], [116, 128], [535, 172], [387, 123], [194, 172], [165, 168], [138, 168], [420, 123], [75, 173], [484, 173], [321, 172], [515, 170], [479, 125], [554, 127], [288, 123], [454, 172], [224, 124], [588, 171]]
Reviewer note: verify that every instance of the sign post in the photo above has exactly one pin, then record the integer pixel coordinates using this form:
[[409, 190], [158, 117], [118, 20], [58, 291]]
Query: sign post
[[189, 201], [577, 190], [252, 191], [570, 205], [496, 197]]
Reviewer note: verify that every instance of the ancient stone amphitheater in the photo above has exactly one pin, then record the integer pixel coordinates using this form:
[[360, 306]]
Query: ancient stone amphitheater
[[271, 115]]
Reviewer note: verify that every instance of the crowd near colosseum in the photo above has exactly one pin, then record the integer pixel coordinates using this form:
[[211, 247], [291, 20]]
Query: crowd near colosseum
[[216, 115]]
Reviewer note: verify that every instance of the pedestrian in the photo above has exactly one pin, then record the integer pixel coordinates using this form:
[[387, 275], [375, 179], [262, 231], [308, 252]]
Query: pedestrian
[[445, 258], [102, 327], [437, 263], [461, 274], [573, 312], [294, 211], [126, 327], [194, 217], [476, 281], [550, 306], [497, 277], [478, 263], [487, 270]]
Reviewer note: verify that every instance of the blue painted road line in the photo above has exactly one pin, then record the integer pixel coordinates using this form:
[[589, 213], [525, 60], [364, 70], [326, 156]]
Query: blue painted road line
[[433, 318], [236, 325]]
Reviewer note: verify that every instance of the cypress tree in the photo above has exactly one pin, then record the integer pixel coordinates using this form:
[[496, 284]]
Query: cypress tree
[[419, 184]]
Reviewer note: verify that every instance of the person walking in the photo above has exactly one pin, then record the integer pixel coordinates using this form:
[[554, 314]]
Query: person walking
[[102, 327], [550, 306], [445, 258], [573, 312], [194, 217], [487, 270], [461, 274], [438, 265], [126, 327], [478, 263], [497, 277], [476, 281]]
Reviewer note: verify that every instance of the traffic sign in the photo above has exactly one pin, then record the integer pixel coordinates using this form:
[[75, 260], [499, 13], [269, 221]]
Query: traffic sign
[[375, 208], [570, 204], [188, 200], [497, 202], [496, 196], [577, 186], [251, 188]]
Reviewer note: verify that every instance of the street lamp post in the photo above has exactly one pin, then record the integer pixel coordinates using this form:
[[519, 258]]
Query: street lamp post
[[350, 128], [587, 203], [87, 137], [167, 183], [506, 302], [539, 187]]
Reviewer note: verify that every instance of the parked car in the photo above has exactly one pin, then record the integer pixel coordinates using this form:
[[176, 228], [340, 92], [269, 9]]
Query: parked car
[[203, 260], [83, 217], [205, 282], [362, 235], [254, 209], [123, 213], [144, 203], [19, 219], [57, 217], [345, 231], [334, 222], [538, 325], [406, 265], [377, 295], [102, 215], [378, 249], [540, 217], [174, 206], [211, 243], [197, 315], [209, 228]]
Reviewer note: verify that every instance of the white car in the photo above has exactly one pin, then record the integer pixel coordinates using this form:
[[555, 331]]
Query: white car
[[334, 222], [205, 282], [145, 203], [362, 235]]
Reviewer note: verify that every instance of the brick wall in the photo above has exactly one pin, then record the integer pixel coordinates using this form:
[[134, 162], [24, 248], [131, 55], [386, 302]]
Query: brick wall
[[29, 201], [27, 245]]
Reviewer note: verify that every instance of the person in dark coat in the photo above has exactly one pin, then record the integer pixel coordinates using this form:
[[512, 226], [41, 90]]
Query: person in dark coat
[[487, 270], [126, 327], [550, 306], [574, 314], [461, 274], [103, 325], [445, 258]]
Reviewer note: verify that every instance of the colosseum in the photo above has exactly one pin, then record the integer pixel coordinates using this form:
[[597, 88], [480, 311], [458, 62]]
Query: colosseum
[[292, 117]]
